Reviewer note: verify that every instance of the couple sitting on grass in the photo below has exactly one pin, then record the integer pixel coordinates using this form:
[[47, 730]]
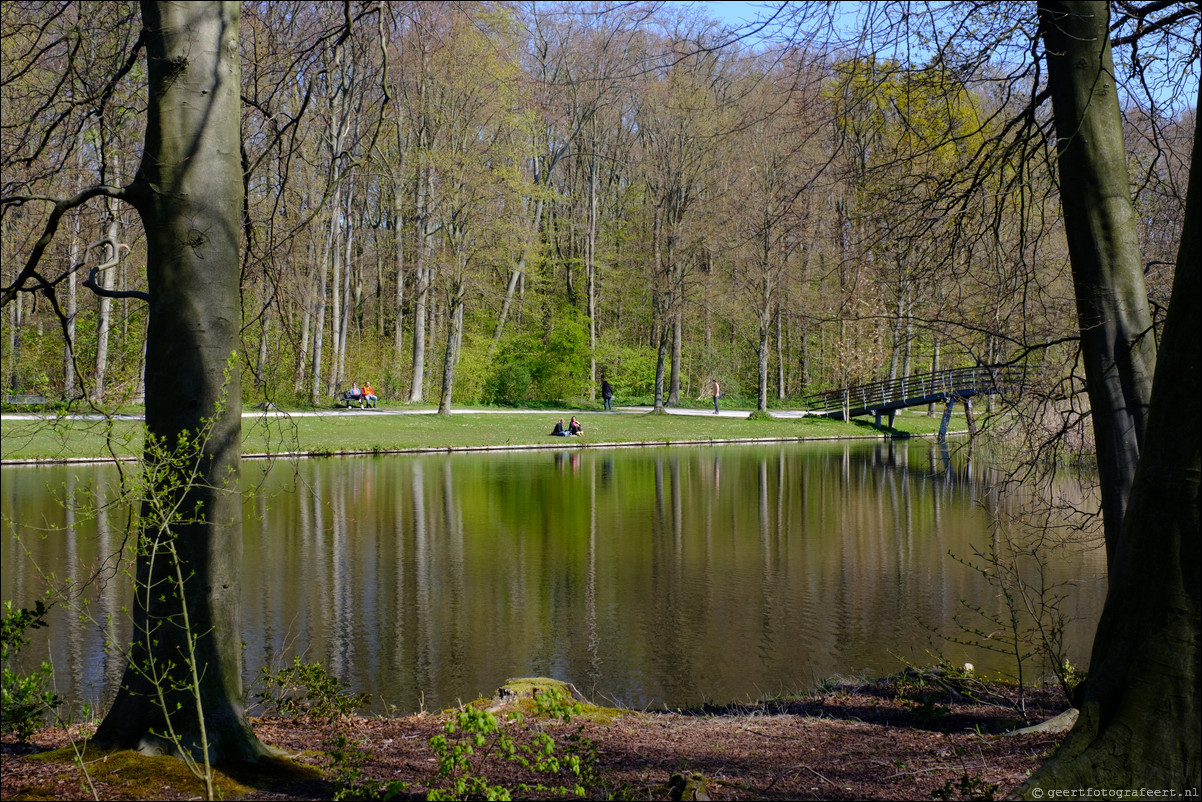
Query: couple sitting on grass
[[574, 428]]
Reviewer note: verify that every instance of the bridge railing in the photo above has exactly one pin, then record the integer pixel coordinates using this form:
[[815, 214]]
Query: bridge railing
[[979, 380]]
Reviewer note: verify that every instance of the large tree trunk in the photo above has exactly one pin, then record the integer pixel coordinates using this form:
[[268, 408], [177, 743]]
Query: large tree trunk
[[1117, 343], [189, 194], [1141, 721]]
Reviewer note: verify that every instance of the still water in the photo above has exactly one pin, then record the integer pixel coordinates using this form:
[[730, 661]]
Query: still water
[[648, 577]]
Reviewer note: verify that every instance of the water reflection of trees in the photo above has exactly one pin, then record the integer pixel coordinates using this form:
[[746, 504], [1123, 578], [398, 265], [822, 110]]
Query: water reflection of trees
[[652, 576]]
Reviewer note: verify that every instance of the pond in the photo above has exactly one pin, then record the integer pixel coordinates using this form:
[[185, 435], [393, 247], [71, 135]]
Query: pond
[[647, 577]]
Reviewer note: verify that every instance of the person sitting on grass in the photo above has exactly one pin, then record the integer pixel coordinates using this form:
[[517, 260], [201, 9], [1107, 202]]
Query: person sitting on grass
[[559, 431], [574, 428]]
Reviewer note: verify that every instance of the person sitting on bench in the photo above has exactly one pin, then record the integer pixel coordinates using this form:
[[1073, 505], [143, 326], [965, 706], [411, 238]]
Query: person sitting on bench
[[369, 395]]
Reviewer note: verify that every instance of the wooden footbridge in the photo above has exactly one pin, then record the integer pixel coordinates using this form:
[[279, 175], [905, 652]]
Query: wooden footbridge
[[887, 396]]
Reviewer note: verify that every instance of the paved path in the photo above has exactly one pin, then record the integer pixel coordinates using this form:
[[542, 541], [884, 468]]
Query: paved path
[[550, 413]]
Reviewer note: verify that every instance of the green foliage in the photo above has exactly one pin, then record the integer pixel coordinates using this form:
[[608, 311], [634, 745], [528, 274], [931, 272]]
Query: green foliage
[[530, 366], [25, 697], [307, 689], [510, 379], [475, 739], [968, 788], [346, 772], [561, 369], [630, 369], [927, 711]]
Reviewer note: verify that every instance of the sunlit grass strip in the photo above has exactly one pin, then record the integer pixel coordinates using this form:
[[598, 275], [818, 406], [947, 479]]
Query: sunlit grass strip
[[366, 433]]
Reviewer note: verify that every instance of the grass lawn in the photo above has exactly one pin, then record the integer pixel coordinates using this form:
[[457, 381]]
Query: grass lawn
[[376, 431]]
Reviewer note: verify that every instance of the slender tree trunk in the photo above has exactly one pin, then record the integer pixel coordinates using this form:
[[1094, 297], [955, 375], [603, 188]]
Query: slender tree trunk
[[104, 315], [72, 311], [16, 321], [398, 343], [765, 340], [261, 364], [780, 354], [421, 292], [189, 195], [931, 412], [454, 339], [590, 266], [516, 274], [347, 306], [307, 302], [317, 390], [677, 356], [337, 225]]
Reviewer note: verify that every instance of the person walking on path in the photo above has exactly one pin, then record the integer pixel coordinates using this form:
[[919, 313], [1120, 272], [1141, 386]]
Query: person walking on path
[[607, 395], [717, 394]]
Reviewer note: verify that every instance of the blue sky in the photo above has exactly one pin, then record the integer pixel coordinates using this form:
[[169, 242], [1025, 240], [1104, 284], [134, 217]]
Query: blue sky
[[738, 12]]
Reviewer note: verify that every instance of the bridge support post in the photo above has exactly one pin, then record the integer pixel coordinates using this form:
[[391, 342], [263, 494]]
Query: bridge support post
[[947, 416]]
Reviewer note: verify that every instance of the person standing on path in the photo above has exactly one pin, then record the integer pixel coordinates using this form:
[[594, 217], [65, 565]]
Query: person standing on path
[[607, 394], [717, 394]]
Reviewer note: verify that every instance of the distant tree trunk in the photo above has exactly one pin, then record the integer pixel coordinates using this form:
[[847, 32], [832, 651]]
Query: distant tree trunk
[[780, 354], [104, 316], [677, 354], [188, 192], [317, 390], [454, 339], [307, 301], [16, 321], [341, 290], [1117, 343], [398, 344], [590, 265], [421, 292], [765, 342], [931, 412], [261, 362], [72, 312], [516, 274], [1140, 724]]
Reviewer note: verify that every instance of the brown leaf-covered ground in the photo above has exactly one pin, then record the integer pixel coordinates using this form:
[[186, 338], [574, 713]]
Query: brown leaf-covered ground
[[902, 738]]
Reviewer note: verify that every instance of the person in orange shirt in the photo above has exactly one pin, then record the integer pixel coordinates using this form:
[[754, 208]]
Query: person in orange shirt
[[369, 395]]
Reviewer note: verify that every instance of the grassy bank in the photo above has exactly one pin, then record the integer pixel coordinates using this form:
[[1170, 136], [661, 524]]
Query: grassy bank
[[355, 431]]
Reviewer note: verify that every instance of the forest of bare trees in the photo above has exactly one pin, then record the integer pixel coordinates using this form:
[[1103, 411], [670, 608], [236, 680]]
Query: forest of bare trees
[[508, 200]]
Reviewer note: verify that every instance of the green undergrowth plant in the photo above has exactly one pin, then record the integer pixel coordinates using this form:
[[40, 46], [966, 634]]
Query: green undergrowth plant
[[347, 757], [26, 697], [474, 741], [307, 689]]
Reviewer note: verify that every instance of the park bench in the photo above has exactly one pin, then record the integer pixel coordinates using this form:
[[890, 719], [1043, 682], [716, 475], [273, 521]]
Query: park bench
[[348, 398], [26, 400]]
